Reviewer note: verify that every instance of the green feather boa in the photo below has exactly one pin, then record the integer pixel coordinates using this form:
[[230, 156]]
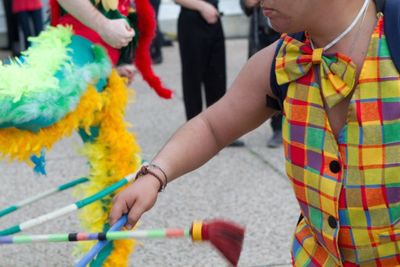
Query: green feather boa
[[46, 83]]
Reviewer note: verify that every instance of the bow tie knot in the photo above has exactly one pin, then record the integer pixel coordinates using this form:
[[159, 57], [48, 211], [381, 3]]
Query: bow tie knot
[[336, 72], [316, 57]]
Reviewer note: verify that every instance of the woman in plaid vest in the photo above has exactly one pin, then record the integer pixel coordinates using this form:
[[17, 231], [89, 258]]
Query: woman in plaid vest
[[341, 131]]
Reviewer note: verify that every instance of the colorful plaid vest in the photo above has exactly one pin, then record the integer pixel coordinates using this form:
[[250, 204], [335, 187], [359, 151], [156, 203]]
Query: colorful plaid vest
[[348, 190]]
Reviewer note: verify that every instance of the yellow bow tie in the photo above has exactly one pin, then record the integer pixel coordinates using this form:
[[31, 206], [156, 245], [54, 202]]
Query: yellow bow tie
[[336, 72]]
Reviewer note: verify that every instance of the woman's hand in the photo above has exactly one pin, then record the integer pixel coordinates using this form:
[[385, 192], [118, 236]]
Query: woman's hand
[[116, 32], [251, 3], [134, 200], [127, 71], [209, 13]]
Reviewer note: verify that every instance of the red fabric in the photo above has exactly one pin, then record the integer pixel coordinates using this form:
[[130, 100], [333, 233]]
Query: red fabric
[[25, 5], [123, 7], [84, 31], [146, 26], [55, 12]]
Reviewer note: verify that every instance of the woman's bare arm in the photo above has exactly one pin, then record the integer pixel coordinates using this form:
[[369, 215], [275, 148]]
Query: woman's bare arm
[[116, 33], [207, 10], [241, 110]]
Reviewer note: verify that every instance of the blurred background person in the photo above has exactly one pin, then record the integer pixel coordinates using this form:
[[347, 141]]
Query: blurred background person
[[12, 29], [155, 49], [160, 40], [262, 35], [202, 51], [29, 16]]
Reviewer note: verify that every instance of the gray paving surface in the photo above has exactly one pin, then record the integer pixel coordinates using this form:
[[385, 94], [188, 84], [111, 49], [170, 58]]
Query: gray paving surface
[[244, 184]]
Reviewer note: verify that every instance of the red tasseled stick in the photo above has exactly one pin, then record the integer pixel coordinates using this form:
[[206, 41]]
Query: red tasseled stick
[[226, 236], [146, 26], [54, 12]]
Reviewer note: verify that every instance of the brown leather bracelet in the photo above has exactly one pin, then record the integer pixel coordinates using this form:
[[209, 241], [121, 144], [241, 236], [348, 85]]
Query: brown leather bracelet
[[152, 165], [144, 170]]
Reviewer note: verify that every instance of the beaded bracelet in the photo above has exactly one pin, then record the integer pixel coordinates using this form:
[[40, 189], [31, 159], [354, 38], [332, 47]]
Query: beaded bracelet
[[145, 170]]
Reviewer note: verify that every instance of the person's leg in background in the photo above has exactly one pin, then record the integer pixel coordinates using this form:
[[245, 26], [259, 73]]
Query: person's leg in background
[[215, 72], [191, 48], [155, 48], [37, 19], [23, 22], [265, 39], [12, 29], [276, 125], [24, 19]]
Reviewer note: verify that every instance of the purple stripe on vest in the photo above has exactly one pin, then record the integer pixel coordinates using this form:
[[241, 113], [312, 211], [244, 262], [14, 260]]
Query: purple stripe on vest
[[390, 111], [393, 194], [297, 133], [314, 160]]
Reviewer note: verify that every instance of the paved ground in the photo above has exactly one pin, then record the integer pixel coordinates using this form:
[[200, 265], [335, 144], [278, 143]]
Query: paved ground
[[244, 184]]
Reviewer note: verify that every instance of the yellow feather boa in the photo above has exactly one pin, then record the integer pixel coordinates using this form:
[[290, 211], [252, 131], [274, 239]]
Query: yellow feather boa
[[21, 144], [112, 155]]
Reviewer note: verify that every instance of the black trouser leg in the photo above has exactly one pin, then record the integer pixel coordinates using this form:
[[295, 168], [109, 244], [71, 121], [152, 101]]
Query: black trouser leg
[[215, 72], [155, 48], [37, 20], [276, 122], [23, 22], [192, 52], [24, 19], [12, 24]]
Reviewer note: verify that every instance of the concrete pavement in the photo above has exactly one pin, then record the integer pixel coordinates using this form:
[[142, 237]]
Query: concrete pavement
[[246, 185]]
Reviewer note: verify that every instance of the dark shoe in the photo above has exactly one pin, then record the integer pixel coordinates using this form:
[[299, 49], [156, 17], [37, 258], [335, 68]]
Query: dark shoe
[[167, 42], [276, 140], [236, 143], [157, 59]]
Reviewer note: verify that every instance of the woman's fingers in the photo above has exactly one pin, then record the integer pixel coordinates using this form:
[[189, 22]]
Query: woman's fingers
[[117, 33], [134, 215], [135, 200], [119, 208]]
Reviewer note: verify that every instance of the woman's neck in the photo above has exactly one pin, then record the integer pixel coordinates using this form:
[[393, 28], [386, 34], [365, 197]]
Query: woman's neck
[[335, 19]]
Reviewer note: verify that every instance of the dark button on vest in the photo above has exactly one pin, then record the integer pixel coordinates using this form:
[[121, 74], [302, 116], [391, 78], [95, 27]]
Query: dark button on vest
[[334, 166], [332, 222]]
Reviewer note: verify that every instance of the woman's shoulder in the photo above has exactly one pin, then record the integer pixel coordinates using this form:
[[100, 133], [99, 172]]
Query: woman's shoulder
[[265, 56]]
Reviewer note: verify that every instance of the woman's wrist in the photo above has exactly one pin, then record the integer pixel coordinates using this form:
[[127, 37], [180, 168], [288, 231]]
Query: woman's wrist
[[201, 5], [156, 172], [153, 182], [156, 168], [100, 23]]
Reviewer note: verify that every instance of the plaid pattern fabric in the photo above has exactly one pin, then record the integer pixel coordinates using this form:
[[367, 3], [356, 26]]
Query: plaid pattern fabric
[[348, 189], [305, 245], [336, 72]]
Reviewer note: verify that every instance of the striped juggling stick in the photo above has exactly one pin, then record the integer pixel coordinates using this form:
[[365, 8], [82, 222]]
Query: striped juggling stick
[[101, 244], [226, 236], [67, 209], [42, 195]]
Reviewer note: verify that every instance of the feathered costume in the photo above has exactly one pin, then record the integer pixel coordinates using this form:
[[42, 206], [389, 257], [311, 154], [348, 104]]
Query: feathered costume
[[42, 101]]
